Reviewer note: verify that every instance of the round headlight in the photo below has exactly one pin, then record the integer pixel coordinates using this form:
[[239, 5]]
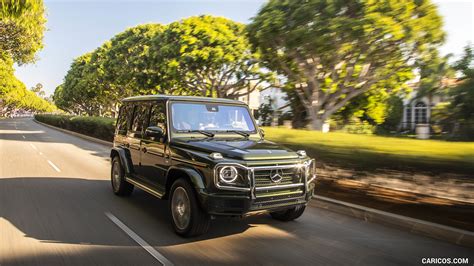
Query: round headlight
[[228, 174]]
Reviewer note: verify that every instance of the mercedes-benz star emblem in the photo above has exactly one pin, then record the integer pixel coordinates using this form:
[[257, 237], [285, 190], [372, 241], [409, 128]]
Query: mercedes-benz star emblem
[[276, 175]]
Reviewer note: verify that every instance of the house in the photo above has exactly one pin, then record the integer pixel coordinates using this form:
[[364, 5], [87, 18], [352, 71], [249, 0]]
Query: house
[[275, 96], [418, 109]]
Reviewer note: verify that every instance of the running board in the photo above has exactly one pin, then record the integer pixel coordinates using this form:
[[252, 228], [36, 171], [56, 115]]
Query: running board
[[144, 187]]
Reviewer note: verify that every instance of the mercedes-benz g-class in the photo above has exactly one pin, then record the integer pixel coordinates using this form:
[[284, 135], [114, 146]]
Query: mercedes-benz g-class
[[208, 157]]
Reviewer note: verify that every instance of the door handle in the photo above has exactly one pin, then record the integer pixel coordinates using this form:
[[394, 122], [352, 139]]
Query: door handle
[[144, 149]]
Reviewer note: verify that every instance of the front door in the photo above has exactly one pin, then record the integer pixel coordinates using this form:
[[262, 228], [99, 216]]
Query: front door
[[154, 160], [135, 134]]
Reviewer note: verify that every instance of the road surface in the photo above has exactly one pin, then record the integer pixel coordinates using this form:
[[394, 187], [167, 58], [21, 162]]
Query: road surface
[[57, 208]]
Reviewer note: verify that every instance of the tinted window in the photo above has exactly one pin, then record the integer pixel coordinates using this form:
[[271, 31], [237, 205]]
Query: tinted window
[[212, 117], [139, 117], [123, 119], [158, 116]]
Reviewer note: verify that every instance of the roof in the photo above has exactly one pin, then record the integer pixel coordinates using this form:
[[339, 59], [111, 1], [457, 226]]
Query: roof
[[180, 98]]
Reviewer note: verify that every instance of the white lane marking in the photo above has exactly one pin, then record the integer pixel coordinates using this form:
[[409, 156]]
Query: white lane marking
[[54, 166], [23, 137], [33, 146], [157, 255]]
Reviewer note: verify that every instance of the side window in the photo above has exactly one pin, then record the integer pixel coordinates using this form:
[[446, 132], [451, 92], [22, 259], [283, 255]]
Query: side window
[[139, 116], [122, 121], [158, 115]]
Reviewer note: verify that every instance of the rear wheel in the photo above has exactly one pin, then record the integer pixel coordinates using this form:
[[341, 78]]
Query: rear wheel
[[186, 215], [119, 186], [289, 214]]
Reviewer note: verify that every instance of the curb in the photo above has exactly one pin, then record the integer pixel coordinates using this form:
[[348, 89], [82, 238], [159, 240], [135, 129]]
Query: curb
[[433, 230], [96, 140]]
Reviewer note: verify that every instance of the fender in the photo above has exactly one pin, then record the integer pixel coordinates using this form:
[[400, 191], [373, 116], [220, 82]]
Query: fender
[[194, 176], [124, 156]]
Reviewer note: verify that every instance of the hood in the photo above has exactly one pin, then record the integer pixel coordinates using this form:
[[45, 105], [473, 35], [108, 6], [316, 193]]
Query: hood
[[242, 149]]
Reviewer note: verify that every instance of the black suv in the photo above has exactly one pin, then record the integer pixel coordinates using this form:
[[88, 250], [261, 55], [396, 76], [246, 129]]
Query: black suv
[[208, 157]]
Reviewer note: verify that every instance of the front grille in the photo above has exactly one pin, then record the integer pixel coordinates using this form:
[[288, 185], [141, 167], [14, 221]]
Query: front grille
[[271, 194], [289, 176]]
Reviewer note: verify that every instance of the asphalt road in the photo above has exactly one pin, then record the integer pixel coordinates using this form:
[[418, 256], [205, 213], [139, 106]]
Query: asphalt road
[[55, 196]]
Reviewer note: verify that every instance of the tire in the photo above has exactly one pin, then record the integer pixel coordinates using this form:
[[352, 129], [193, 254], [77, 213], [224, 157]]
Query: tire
[[288, 215], [187, 217], [120, 187]]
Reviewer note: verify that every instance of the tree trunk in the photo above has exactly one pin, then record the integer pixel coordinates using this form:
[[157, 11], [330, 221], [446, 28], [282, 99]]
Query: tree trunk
[[317, 120]]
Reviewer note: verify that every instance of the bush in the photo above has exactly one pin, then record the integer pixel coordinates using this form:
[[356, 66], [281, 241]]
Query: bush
[[98, 127], [359, 127]]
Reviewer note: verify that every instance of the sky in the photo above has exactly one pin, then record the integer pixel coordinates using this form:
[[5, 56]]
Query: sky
[[75, 27]]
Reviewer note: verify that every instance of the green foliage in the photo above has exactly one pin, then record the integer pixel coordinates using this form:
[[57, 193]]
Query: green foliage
[[432, 70], [394, 113], [204, 55], [14, 95], [462, 104], [359, 127], [463, 94], [265, 114], [98, 127], [208, 56], [22, 24], [333, 51], [371, 106]]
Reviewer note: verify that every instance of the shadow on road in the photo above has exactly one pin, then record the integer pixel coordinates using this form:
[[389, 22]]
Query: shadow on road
[[71, 210], [14, 129], [55, 211]]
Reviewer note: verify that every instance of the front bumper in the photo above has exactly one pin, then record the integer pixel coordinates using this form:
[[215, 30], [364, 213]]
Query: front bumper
[[239, 205]]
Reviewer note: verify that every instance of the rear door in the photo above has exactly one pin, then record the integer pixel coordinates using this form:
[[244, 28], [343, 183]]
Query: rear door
[[135, 135], [154, 160]]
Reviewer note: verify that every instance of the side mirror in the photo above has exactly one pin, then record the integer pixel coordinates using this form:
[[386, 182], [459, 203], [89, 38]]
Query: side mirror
[[262, 132], [154, 133]]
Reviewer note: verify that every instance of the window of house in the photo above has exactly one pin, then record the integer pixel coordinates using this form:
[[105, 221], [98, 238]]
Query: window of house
[[408, 114], [421, 113]]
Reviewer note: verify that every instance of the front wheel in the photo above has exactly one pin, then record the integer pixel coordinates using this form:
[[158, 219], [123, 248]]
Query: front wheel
[[187, 216], [288, 215], [117, 177]]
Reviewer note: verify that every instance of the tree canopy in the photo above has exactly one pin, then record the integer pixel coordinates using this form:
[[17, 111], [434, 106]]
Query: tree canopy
[[14, 95], [22, 24], [205, 55], [333, 51], [208, 56]]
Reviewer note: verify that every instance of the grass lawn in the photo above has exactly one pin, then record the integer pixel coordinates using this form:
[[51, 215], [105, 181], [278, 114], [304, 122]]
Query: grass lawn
[[367, 152]]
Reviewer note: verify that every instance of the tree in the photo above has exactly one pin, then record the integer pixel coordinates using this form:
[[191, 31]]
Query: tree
[[334, 51], [38, 90], [432, 71], [77, 94], [14, 95], [22, 24], [127, 66], [208, 56], [462, 102], [457, 116]]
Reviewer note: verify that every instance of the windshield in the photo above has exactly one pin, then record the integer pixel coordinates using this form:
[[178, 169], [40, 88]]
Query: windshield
[[187, 117]]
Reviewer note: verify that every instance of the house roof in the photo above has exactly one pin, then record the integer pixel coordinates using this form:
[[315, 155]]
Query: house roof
[[180, 98]]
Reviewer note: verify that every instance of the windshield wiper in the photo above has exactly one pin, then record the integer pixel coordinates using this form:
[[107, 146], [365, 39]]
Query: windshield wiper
[[206, 133], [242, 133]]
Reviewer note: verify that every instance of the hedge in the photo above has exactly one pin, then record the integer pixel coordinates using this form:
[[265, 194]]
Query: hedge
[[98, 127]]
